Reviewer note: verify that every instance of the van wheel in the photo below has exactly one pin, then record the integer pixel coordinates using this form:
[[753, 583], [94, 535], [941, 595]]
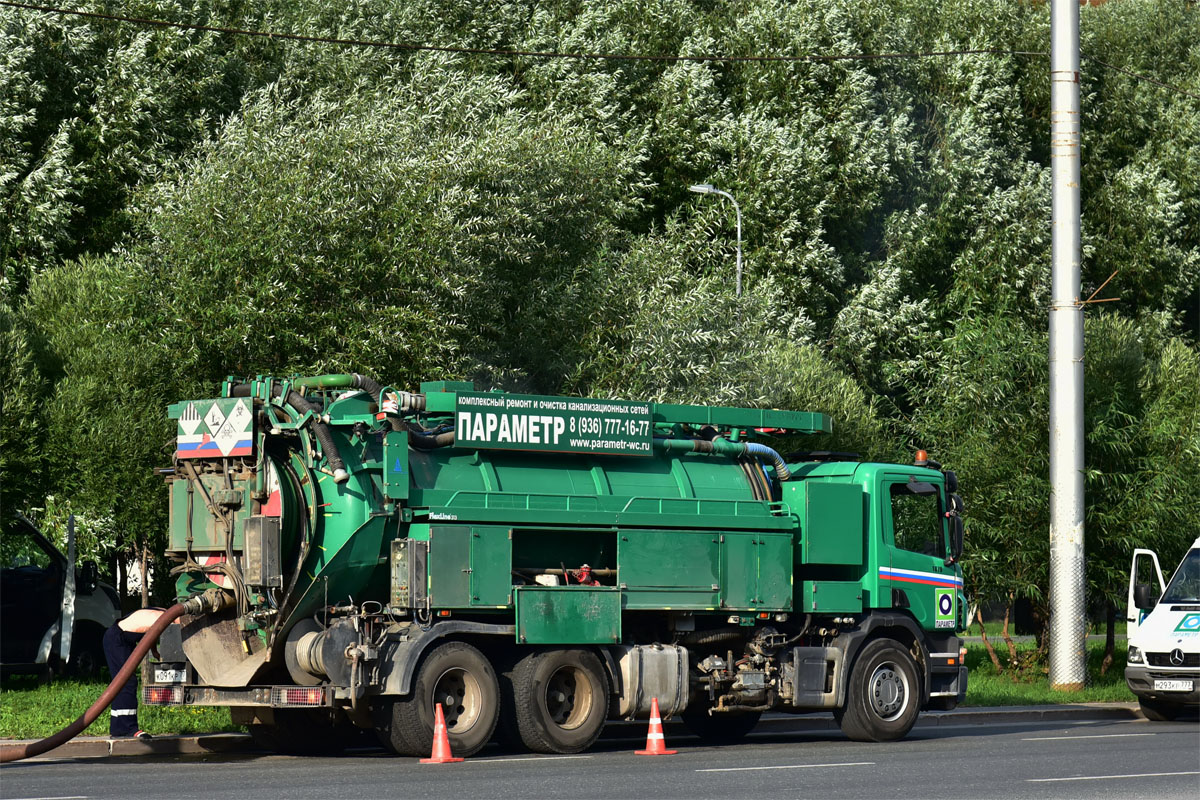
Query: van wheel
[[1157, 711], [883, 697], [560, 700], [457, 677], [87, 653]]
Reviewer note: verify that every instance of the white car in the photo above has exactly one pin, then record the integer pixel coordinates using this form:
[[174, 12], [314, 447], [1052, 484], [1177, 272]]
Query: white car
[[1163, 667]]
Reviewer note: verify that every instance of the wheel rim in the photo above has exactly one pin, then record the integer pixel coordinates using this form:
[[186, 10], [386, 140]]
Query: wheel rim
[[568, 697], [888, 691], [458, 693]]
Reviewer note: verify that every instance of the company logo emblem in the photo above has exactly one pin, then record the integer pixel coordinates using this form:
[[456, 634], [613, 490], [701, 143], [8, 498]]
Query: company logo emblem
[[1189, 624], [944, 617], [1177, 657]]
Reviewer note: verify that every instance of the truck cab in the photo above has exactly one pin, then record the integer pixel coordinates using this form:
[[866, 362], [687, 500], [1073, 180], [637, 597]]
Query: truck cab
[[1163, 665]]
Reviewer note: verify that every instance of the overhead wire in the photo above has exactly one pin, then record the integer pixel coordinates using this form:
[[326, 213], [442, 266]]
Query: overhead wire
[[715, 58]]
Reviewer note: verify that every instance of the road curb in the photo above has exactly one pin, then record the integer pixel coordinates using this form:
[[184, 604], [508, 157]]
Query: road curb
[[211, 743], [101, 747]]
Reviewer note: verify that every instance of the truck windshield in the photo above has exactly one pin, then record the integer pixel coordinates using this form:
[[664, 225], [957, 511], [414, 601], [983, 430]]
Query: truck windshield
[[1185, 586]]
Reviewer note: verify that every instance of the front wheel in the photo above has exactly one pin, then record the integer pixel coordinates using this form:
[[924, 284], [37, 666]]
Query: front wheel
[[883, 697], [457, 677], [560, 700], [1158, 711]]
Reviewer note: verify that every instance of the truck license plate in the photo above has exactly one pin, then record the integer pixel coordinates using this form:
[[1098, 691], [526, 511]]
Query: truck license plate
[[1172, 686], [177, 676]]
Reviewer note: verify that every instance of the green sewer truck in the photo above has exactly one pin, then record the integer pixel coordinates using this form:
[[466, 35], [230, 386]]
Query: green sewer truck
[[537, 566]]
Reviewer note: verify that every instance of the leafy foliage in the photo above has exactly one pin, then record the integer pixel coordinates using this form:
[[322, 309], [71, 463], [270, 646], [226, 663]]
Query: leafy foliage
[[181, 205]]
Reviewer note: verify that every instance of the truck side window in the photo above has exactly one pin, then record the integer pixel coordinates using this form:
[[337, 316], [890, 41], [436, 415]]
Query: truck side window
[[917, 518]]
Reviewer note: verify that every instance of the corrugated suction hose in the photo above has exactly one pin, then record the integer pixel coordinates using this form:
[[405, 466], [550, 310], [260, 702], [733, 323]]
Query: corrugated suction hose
[[209, 601]]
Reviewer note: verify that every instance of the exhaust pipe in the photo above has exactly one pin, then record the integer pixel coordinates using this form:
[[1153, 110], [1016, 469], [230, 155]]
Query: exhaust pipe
[[206, 603]]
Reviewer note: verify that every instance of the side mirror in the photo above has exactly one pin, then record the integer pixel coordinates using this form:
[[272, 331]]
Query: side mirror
[[1142, 598], [89, 577], [956, 528]]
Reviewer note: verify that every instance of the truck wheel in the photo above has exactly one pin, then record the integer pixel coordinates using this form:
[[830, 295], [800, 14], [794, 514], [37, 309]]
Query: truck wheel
[[883, 697], [720, 728], [303, 732], [459, 678], [560, 700], [507, 735], [1156, 711]]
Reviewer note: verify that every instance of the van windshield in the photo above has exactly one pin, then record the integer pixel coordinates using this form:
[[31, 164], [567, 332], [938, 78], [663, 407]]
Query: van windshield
[[1185, 586]]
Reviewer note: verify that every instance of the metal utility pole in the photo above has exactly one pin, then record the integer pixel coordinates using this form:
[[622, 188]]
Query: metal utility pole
[[1068, 623], [708, 188]]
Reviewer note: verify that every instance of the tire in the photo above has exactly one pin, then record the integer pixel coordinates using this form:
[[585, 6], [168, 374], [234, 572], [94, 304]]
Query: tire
[[560, 700], [721, 728], [87, 653], [459, 677], [304, 732], [1158, 711], [507, 735], [883, 698]]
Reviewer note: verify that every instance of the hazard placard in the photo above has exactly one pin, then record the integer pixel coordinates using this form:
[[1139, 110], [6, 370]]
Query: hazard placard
[[215, 429]]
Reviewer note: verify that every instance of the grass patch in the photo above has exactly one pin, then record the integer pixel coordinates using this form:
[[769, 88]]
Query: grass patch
[[994, 626], [985, 687], [30, 709]]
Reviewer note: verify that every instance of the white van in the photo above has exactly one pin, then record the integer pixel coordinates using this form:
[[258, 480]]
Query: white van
[[1163, 668]]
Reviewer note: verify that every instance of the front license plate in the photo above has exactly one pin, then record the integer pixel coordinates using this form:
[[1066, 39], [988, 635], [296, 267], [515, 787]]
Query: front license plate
[[177, 676], [1172, 686]]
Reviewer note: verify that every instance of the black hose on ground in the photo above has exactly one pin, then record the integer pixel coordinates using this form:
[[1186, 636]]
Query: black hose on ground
[[212, 600]]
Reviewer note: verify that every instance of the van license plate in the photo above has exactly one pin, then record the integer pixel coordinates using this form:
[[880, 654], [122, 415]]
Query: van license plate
[[1172, 686], [177, 676]]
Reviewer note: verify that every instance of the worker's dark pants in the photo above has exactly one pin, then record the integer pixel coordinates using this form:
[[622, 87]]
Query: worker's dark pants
[[118, 646]]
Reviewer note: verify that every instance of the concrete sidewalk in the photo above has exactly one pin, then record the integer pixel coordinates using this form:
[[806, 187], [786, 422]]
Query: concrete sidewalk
[[208, 743]]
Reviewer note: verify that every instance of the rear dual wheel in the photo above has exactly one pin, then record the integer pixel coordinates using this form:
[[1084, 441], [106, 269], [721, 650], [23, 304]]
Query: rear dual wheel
[[457, 677], [556, 701]]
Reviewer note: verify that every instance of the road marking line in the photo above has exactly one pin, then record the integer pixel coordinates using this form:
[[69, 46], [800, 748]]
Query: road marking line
[[520, 758], [1110, 777], [1092, 736], [69, 797], [791, 766]]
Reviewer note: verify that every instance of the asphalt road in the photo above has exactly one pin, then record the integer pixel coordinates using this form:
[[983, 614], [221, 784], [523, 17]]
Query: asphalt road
[[1031, 760]]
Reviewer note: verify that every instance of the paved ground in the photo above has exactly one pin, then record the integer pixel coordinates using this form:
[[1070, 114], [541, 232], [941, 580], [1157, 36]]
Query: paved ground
[[1016, 759], [96, 746]]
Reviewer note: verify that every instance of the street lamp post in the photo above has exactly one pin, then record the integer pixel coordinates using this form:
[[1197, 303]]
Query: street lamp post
[[708, 188]]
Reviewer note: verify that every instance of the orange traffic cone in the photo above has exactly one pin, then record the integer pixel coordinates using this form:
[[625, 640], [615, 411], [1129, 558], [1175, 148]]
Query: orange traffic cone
[[655, 744], [441, 741]]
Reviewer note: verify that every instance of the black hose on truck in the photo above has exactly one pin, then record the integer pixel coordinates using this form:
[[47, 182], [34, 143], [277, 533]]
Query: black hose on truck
[[208, 602], [319, 428]]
